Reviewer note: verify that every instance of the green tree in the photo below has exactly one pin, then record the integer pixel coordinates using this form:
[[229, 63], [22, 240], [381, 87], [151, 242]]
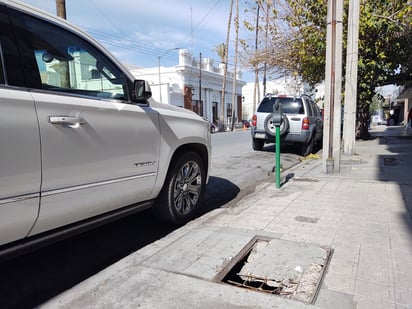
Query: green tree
[[385, 44]]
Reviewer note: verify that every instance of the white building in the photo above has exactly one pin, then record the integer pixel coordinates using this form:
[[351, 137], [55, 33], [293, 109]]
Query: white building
[[195, 85]]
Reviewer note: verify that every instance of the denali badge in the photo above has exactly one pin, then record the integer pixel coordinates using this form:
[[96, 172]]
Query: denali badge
[[141, 164]]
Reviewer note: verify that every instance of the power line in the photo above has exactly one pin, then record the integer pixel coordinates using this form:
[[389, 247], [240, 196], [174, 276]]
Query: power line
[[142, 47]]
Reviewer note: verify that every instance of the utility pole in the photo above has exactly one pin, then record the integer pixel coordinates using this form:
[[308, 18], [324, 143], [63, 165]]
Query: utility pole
[[200, 81], [351, 80], [226, 64], [64, 65], [333, 85], [234, 97], [61, 8], [256, 90], [266, 46]]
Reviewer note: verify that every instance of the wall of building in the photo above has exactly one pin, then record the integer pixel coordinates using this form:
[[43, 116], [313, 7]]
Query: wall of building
[[195, 84]]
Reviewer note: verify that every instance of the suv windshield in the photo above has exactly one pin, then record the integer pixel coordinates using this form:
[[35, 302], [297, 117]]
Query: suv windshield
[[289, 105]]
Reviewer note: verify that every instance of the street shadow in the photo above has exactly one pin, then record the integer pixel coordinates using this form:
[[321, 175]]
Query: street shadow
[[283, 149], [33, 278], [397, 166], [219, 192], [289, 148], [287, 178]]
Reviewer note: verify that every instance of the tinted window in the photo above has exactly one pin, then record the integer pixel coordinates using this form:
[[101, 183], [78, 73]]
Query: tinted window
[[289, 105], [11, 71], [1, 66], [66, 63]]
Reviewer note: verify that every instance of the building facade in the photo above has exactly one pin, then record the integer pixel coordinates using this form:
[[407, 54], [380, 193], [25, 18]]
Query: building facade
[[196, 84]]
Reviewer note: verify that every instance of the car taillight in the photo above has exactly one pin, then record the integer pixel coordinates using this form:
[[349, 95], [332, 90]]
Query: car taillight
[[254, 120], [305, 123]]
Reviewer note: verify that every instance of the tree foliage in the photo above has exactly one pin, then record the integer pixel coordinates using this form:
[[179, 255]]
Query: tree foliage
[[220, 50], [298, 43]]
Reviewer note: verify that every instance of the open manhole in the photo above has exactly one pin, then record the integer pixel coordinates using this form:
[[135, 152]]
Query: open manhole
[[288, 269]]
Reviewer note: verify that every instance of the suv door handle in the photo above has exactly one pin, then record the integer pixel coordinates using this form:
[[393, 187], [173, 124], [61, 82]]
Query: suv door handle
[[70, 120]]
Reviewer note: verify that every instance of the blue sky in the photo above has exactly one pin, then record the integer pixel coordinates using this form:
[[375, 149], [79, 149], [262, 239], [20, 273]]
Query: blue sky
[[138, 32]]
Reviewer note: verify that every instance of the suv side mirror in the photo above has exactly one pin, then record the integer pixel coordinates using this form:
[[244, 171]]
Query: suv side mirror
[[277, 113], [142, 90]]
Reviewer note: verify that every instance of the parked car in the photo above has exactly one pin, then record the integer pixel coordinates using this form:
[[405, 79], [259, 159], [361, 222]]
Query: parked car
[[212, 126], [246, 123], [302, 123], [378, 118], [82, 142]]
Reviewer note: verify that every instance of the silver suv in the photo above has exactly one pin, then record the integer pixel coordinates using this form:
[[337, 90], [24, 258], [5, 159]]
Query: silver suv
[[82, 142], [302, 123]]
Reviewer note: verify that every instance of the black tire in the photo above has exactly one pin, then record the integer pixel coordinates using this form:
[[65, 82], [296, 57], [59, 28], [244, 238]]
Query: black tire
[[182, 191], [270, 128], [258, 144], [307, 148]]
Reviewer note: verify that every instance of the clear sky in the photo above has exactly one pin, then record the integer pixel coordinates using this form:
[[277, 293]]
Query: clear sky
[[137, 32]]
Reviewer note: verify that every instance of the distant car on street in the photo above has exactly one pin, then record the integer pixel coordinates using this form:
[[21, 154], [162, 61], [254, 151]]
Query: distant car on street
[[378, 119], [302, 122], [246, 123]]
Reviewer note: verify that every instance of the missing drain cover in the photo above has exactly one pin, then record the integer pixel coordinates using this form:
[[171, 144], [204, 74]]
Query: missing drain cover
[[284, 268]]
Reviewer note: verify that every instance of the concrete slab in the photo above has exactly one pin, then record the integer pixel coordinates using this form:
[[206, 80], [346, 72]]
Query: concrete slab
[[295, 268]]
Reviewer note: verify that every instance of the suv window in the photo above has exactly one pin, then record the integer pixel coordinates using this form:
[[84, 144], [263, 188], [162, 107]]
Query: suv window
[[67, 63], [289, 105], [11, 70], [1, 66]]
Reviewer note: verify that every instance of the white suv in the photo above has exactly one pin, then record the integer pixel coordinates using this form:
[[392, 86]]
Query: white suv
[[82, 142], [302, 123]]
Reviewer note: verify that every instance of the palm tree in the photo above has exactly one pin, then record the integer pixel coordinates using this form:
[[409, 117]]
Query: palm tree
[[221, 52]]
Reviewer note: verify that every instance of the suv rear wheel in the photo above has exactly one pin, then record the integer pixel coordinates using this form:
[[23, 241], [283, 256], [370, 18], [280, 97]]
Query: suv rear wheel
[[257, 144], [184, 185]]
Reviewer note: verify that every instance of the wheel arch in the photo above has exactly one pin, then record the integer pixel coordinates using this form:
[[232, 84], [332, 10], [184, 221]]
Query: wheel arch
[[198, 148]]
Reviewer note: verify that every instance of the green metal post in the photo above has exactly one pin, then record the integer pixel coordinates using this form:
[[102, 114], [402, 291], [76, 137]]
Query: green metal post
[[277, 157]]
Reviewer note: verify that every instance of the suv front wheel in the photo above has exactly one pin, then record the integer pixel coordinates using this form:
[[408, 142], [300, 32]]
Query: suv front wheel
[[181, 193]]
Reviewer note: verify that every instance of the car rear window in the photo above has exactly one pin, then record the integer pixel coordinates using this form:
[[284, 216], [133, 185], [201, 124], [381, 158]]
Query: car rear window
[[289, 105]]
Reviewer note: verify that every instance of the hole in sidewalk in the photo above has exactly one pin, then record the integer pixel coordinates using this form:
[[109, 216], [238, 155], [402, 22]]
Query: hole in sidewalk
[[283, 268]]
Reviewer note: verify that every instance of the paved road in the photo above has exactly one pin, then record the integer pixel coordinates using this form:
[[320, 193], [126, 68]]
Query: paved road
[[32, 279], [237, 168]]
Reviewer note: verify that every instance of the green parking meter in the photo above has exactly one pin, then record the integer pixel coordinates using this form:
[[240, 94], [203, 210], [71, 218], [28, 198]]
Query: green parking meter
[[277, 119]]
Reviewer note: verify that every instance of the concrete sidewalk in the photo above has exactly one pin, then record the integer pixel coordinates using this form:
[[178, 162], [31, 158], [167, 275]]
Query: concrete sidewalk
[[361, 217]]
